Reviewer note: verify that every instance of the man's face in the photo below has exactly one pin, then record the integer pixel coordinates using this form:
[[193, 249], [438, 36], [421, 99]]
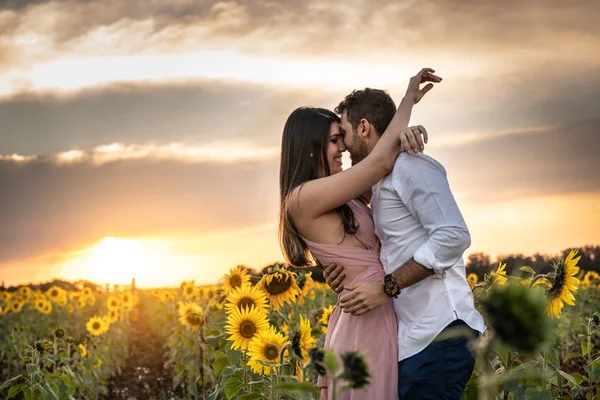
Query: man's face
[[356, 145]]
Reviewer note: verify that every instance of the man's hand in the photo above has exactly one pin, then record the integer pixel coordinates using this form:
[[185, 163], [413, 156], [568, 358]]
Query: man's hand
[[363, 297], [410, 139], [414, 92], [334, 275]]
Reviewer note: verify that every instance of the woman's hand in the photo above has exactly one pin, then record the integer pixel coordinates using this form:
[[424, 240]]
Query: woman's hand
[[414, 93], [411, 141]]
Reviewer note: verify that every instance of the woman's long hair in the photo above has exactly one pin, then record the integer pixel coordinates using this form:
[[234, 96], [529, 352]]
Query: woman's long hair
[[303, 152]]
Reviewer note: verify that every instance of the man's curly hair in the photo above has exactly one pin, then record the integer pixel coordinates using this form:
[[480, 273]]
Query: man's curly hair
[[374, 105]]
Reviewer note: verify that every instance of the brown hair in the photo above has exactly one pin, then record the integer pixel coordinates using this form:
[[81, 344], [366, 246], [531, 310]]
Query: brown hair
[[374, 105], [303, 151]]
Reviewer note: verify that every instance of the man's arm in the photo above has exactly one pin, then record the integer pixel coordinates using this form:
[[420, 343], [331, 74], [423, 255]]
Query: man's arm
[[423, 187]]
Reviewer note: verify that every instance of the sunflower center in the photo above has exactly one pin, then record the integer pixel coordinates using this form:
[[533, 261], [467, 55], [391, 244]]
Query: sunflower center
[[190, 290], [247, 329], [54, 293], [246, 302], [194, 319], [278, 285], [235, 281], [96, 325], [559, 280], [271, 351]]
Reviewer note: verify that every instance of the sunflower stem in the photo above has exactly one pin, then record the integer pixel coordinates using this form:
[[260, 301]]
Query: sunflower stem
[[589, 356]]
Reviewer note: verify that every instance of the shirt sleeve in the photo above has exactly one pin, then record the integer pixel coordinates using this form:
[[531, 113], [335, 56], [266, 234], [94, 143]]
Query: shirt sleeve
[[423, 187]]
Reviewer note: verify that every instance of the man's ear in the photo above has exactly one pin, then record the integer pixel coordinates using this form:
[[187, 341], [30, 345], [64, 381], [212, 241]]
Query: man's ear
[[364, 128]]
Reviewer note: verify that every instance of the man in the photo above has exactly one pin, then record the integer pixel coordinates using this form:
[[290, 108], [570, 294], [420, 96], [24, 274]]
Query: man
[[423, 237]]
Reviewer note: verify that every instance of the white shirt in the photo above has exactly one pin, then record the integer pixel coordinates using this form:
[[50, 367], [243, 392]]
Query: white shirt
[[415, 215]]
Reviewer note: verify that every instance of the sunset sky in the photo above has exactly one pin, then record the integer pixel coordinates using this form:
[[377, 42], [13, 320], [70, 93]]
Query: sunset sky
[[141, 137]]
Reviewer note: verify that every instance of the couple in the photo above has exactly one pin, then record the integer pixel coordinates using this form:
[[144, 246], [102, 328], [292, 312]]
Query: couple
[[403, 282]]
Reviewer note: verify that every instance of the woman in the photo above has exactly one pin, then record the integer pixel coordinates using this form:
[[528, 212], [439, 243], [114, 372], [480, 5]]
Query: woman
[[322, 218]]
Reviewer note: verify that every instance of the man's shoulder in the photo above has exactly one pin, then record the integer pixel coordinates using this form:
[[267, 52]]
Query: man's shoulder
[[412, 164]]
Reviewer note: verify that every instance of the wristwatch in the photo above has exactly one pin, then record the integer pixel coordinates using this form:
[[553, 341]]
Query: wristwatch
[[391, 287]]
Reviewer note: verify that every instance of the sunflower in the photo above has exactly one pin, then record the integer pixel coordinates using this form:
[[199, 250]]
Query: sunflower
[[585, 285], [5, 296], [246, 296], [324, 320], [243, 325], [80, 303], [591, 276], [57, 294], [47, 308], [280, 287], [265, 347], [499, 276], [113, 303], [191, 315], [188, 289], [564, 285], [25, 291], [472, 279], [113, 315], [97, 364], [97, 326], [40, 304], [305, 283], [126, 299], [302, 340], [16, 306], [83, 351], [237, 277], [86, 292]]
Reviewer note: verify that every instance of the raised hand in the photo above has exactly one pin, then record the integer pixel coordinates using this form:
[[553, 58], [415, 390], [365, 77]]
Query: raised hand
[[414, 92]]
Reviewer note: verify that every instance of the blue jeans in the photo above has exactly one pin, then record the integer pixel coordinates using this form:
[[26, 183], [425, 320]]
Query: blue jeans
[[441, 371]]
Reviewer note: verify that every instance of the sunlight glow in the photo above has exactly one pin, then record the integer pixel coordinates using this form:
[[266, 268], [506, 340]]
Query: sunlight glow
[[73, 73]]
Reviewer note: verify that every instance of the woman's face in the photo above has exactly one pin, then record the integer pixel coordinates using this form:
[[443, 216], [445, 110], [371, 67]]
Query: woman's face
[[335, 148]]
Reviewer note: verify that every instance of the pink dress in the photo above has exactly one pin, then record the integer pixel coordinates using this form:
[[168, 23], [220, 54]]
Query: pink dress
[[373, 334]]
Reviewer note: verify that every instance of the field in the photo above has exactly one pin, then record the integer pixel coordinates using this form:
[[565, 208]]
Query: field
[[261, 337]]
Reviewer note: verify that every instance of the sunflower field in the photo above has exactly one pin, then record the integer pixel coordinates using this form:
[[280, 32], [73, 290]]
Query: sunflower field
[[261, 337]]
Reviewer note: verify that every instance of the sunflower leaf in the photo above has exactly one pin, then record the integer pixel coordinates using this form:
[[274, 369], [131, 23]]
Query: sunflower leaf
[[527, 269], [233, 386], [586, 347], [298, 387]]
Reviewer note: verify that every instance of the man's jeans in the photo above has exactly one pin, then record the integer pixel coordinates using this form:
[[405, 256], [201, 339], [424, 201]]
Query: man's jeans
[[441, 371]]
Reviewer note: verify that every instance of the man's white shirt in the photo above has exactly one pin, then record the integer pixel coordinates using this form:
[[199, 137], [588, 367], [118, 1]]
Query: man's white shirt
[[415, 215]]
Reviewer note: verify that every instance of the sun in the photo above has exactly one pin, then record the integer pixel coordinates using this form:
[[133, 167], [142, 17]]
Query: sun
[[118, 260]]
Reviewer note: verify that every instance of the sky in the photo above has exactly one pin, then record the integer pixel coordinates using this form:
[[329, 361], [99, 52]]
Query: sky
[[142, 137]]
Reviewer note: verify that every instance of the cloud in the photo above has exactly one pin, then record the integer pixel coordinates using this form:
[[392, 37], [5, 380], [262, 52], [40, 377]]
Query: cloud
[[547, 161], [485, 37], [47, 207]]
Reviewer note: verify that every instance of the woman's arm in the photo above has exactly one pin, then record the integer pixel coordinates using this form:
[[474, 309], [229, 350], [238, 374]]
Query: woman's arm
[[319, 196]]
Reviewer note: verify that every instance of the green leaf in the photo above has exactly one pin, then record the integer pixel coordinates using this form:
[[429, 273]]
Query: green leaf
[[527, 269], [534, 394], [503, 353], [27, 393], [585, 347], [221, 361], [9, 382], [233, 386], [252, 396], [32, 369], [15, 390], [571, 355], [330, 362], [299, 387], [572, 381], [512, 385], [47, 362]]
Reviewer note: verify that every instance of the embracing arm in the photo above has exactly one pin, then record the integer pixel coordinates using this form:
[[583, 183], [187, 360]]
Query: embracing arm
[[319, 196]]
